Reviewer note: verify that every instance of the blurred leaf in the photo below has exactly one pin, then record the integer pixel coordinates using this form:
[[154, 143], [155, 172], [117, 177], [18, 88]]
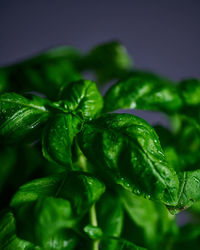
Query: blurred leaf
[[121, 244], [4, 80], [45, 207], [127, 149], [109, 207], [7, 160], [44, 73], [110, 218], [156, 223], [188, 238], [93, 232], [8, 239], [58, 137], [20, 117], [44, 221], [80, 188], [143, 91], [190, 91], [109, 61]]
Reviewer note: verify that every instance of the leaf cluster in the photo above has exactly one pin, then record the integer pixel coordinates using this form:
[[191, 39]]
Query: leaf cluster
[[75, 174]]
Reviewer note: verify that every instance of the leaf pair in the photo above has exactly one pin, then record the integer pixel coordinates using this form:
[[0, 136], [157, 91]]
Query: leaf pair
[[21, 118]]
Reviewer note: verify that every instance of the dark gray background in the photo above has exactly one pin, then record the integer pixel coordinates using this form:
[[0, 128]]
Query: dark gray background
[[162, 35]]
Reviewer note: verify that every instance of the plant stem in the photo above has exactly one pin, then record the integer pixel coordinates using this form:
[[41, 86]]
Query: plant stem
[[93, 221]]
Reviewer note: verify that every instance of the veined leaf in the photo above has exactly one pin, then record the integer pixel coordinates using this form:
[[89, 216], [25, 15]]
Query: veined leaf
[[19, 116], [82, 97], [58, 137], [143, 91], [188, 190], [190, 91], [80, 188], [127, 149], [109, 61]]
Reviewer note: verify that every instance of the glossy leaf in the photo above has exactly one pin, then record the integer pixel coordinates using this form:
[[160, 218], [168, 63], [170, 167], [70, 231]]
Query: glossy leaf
[[109, 61], [82, 98], [58, 137], [127, 149], [8, 238], [80, 188], [143, 91], [20, 117], [188, 190], [190, 91]]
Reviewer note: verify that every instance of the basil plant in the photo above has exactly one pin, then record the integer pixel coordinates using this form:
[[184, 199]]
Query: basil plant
[[76, 174]]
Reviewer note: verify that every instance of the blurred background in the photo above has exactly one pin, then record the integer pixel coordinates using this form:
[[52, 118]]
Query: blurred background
[[162, 35]]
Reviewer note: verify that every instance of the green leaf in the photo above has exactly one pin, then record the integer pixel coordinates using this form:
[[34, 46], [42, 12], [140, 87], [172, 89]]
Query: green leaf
[[43, 220], [45, 207], [120, 244], [58, 137], [7, 161], [190, 91], [185, 143], [143, 91], [82, 97], [154, 220], [4, 81], [188, 190], [169, 143], [188, 238], [93, 232], [80, 188], [109, 61], [8, 238], [127, 149], [109, 207], [20, 117], [44, 73]]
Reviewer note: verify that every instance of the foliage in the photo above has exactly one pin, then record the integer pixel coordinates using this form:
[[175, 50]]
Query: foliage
[[75, 175]]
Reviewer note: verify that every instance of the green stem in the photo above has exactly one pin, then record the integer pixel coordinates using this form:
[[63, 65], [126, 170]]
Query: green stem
[[94, 222]]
